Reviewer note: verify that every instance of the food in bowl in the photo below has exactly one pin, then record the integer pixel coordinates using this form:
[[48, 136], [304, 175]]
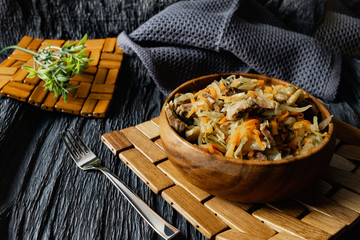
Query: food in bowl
[[247, 118]]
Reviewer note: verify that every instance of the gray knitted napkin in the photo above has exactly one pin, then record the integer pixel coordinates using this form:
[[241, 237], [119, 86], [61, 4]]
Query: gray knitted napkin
[[194, 38]]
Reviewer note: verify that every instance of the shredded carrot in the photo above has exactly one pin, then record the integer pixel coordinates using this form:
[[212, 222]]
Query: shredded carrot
[[222, 121], [198, 93], [324, 134], [212, 92], [222, 87], [261, 82], [205, 119], [252, 94], [306, 140], [302, 122], [192, 100], [251, 153], [283, 116], [274, 127], [268, 89], [300, 115], [257, 138]]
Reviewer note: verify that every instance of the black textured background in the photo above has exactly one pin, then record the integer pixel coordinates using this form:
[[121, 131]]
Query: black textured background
[[43, 195]]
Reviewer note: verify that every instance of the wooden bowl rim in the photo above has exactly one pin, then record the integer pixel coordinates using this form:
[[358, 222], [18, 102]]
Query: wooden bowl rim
[[323, 110]]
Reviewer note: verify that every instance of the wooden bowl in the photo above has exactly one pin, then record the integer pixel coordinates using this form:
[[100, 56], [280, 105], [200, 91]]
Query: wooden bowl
[[244, 180]]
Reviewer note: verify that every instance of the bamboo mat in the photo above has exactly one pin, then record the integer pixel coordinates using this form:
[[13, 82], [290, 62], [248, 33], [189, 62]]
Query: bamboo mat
[[325, 211], [96, 85]]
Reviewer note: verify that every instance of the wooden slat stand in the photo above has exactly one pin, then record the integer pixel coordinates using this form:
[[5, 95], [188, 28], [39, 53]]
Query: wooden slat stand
[[323, 212], [96, 84]]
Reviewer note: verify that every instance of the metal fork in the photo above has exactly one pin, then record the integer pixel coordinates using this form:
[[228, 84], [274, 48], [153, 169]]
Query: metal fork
[[87, 160]]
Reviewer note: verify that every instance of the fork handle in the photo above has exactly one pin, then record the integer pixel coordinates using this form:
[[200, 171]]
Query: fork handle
[[162, 227]]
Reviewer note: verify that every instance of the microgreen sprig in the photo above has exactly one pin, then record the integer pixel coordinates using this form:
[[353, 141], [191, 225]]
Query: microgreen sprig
[[56, 66]]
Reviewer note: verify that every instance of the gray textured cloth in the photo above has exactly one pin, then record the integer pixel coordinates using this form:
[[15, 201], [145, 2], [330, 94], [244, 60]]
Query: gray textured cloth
[[194, 38]]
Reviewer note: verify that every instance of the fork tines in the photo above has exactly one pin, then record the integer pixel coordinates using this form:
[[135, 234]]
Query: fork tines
[[74, 143]]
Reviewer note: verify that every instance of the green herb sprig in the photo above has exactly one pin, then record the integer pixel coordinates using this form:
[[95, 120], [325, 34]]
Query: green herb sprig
[[56, 66]]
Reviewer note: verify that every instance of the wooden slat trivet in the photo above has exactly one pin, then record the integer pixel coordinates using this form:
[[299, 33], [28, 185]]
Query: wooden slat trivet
[[96, 85], [323, 212]]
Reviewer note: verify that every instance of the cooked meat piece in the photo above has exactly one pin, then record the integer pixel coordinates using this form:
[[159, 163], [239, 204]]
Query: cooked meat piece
[[184, 109], [230, 91], [234, 108], [280, 97], [265, 104], [267, 135], [174, 121], [260, 157]]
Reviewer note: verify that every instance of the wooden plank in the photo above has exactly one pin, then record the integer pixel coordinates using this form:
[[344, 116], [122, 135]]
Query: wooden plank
[[83, 78], [116, 141], [21, 56], [159, 143], [111, 56], [100, 75], [290, 207], [83, 90], [347, 199], [35, 44], [73, 105], [88, 107], [7, 62], [144, 145], [323, 186], [109, 64], [95, 55], [38, 95], [8, 70], [16, 90], [285, 236], [118, 50], [149, 129], [25, 41], [156, 121], [109, 45], [319, 203], [33, 81], [102, 88], [344, 178], [342, 163], [237, 218], [101, 108], [112, 76], [145, 170], [349, 151], [52, 42], [97, 42], [90, 70], [175, 175], [193, 211], [4, 80], [233, 234], [20, 75], [282, 222], [49, 102], [346, 132], [357, 171], [324, 222], [18, 63], [100, 96]]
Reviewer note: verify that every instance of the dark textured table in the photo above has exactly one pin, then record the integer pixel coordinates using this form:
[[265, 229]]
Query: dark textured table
[[43, 195]]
